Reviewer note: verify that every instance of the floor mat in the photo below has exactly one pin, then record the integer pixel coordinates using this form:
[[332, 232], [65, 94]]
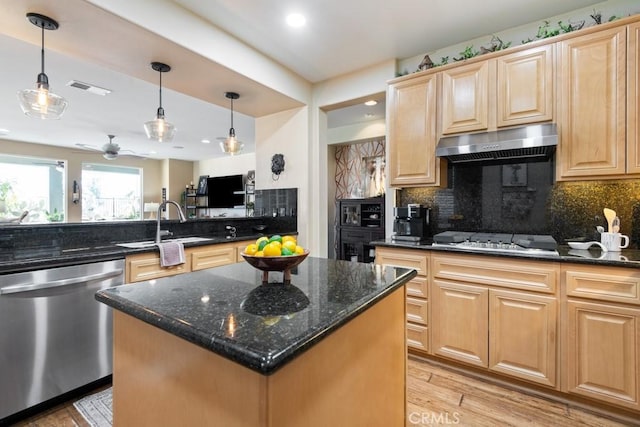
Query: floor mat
[[96, 408]]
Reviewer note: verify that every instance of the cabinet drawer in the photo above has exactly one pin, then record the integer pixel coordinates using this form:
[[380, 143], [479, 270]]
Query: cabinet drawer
[[531, 275], [213, 256], [403, 258], [417, 311], [357, 235], [147, 267], [603, 283], [417, 287], [418, 337]]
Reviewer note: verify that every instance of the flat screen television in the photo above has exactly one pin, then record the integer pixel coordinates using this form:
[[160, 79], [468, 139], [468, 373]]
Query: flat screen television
[[225, 191]]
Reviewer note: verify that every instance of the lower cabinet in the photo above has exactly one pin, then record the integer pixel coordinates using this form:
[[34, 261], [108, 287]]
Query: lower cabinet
[[602, 334], [508, 331], [416, 291], [146, 266]]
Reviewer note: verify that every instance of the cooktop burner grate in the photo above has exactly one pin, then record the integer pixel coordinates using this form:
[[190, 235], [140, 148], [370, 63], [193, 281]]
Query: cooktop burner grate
[[531, 244]]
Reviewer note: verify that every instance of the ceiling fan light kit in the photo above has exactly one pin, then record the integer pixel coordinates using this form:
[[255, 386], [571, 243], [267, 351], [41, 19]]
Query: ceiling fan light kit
[[231, 145], [40, 102], [159, 129]]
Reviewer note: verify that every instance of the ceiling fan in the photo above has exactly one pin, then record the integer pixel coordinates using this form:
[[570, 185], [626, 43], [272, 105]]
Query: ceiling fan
[[111, 150]]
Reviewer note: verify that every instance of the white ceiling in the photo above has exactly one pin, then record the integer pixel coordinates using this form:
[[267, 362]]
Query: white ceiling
[[100, 48]]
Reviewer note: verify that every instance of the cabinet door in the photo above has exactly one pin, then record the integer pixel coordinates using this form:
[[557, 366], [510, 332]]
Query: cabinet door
[[146, 266], [522, 337], [633, 100], [412, 132], [602, 352], [592, 105], [459, 322], [525, 86], [465, 98]]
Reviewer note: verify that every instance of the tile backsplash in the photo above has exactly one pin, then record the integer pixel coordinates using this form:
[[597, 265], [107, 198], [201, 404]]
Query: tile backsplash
[[523, 198]]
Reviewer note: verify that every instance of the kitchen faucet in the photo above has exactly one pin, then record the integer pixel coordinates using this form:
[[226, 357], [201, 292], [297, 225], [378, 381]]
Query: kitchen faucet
[[159, 233]]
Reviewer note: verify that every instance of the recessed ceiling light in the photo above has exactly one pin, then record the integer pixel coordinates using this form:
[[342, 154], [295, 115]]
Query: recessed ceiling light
[[205, 141], [296, 20], [371, 103]]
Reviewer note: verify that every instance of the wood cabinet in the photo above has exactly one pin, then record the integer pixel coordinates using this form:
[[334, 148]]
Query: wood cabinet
[[511, 89], [633, 99], [525, 89], [146, 266], [211, 256], [485, 314], [416, 290], [465, 98], [412, 132], [602, 334], [592, 80]]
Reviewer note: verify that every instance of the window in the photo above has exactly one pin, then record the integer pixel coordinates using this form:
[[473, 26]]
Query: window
[[32, 184], [111, 192]]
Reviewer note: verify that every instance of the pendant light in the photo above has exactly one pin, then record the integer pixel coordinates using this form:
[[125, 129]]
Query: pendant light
[[160, 129], [40, 102], [231, 145]]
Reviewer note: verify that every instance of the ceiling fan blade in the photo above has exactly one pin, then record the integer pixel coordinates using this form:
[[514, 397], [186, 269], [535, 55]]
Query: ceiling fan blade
[[89, 147]]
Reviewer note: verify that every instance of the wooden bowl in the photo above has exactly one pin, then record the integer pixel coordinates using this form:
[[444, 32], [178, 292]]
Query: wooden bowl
[[275, 263]]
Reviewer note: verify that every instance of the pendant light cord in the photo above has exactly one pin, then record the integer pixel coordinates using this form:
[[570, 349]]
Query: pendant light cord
[[160, 89], [42, 50]]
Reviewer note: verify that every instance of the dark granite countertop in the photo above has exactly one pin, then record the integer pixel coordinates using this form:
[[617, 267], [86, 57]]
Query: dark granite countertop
[[594, 256], [57, 255], [228, 311]]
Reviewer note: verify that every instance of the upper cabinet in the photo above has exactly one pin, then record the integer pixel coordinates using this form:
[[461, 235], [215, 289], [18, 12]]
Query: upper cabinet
[[465, 98], [633, 99], [412, 132], [512, 89], [525, 90], [592, 76]]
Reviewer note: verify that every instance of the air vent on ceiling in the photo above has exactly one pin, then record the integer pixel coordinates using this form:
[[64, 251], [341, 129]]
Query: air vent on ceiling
[[89, 87]]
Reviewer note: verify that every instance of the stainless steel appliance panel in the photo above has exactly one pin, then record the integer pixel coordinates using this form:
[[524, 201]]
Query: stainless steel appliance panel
[[54, 335]]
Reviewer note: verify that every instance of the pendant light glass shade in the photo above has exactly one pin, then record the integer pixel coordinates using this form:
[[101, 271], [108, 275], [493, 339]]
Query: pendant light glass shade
[[40, 102], [231, 145], [160, 129]]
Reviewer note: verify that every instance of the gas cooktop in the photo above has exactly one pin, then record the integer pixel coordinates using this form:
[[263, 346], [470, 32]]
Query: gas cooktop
[[526, 244]]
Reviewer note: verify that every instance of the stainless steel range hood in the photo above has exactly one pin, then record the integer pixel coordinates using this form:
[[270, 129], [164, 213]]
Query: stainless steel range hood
[[506, 144]]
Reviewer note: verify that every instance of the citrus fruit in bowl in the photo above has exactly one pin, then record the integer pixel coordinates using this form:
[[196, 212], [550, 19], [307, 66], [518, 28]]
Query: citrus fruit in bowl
[[278, 253]]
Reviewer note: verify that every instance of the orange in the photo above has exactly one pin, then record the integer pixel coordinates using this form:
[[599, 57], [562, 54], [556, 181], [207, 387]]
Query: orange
[[299, 250], [272, 249], [251, 249], [290, 245]]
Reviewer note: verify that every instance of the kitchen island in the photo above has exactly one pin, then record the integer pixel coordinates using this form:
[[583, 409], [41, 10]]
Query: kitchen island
[[218, 347]]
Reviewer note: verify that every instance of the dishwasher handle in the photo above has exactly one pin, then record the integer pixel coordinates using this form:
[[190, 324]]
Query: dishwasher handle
[[14, 289]]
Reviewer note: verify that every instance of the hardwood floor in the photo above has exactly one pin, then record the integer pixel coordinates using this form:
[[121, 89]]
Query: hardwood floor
[[435, 396]]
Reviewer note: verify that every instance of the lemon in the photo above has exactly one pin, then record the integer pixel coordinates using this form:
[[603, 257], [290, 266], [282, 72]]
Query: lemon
[[260, 239], [259, 253], [289, 245], [288, 239], [276, 243], [251, 249], [272, 249], [299, 250]]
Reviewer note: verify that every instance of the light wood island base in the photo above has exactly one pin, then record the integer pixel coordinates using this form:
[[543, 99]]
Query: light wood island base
[[355, 376]]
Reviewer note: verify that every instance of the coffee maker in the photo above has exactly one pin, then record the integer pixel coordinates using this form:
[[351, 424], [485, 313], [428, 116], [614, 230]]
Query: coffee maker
[[411, 224]]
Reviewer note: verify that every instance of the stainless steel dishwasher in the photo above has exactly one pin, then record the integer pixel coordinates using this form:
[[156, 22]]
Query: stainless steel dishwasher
[[54, 335]]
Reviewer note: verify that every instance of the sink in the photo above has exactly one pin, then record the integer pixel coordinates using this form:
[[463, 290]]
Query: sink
[[149, 243]]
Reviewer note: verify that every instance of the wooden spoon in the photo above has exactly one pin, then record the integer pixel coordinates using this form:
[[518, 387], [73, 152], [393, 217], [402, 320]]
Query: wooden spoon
[[610, 214]]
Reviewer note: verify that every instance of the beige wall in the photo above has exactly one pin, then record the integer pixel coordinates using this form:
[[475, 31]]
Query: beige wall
[[151, 174]]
